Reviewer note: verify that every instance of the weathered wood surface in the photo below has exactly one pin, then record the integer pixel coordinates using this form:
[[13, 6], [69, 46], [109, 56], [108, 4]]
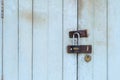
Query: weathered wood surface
[[34, 37]]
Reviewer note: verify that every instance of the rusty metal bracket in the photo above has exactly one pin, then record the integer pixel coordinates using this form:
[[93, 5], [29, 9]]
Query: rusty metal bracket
[[82, 33], [79, 49]]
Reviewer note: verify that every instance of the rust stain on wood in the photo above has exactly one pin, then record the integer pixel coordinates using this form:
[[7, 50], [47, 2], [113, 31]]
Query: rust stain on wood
[[27, 16], [80, 7], [90, 6], [82, 4], [40, 18], [36, 17]]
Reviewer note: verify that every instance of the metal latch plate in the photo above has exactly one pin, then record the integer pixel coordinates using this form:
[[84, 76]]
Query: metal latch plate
[[83, 33], [79, 49]]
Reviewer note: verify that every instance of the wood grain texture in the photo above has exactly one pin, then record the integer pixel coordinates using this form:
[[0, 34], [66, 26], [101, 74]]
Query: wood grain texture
[[35, 47]]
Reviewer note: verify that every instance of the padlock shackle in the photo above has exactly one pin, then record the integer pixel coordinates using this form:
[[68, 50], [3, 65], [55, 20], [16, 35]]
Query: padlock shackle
[[76, 33]]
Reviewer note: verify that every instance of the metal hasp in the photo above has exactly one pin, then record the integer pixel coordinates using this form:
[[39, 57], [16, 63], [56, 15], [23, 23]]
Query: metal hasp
[[79, 48], [82, 33]]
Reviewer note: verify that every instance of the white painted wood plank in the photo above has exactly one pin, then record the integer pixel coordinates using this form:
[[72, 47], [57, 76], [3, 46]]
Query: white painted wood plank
[[25, 39], [69, 24], [100, 40], [86, 21], [10, 49], [40, 40], [55, 40], [113, 39]]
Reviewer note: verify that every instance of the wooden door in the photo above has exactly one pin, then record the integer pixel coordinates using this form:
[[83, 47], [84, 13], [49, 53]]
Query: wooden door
[[34, 35]]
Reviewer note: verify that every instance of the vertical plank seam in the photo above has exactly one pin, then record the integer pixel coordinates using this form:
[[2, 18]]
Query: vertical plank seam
[[18, 40], [2, 49], [107, 38], [77, 56], [2, 16], [32, 39], [62, 39], [93, 37], [48, 35], [48, 38]]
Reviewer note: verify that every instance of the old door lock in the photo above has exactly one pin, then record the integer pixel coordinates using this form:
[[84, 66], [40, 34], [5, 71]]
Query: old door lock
[[78, 48]]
